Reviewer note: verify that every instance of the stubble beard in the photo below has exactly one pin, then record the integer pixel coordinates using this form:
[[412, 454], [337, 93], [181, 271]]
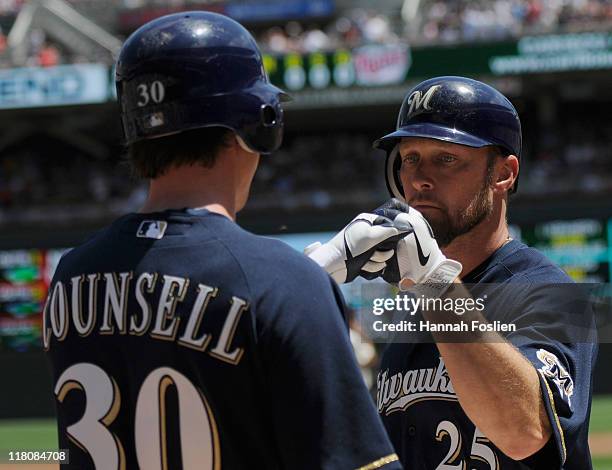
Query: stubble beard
[[446, 227]]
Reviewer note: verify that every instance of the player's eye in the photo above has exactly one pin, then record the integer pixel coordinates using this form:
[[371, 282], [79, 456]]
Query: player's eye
[[447, 158], [410, 159]]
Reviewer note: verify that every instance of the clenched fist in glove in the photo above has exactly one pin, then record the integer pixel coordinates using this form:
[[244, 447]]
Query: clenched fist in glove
[[417, 258], [355, 250]]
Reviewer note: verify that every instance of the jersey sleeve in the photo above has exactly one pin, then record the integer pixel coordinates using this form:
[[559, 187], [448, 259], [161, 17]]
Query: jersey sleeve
[[322, 412], [555, 331]]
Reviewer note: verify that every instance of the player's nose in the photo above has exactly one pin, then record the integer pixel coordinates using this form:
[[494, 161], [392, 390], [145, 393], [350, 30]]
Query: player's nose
[[419, 179]]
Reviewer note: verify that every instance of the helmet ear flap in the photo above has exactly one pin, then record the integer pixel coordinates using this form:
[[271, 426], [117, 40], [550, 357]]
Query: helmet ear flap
[[393, 166], [262, 130]]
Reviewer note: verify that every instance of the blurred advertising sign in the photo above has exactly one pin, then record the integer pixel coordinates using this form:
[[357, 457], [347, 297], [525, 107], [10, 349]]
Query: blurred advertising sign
[[54, 86], [265, 10], [581, 247], [375, 65], [25, 276], [391, 65], [381, 65], [556, 53]]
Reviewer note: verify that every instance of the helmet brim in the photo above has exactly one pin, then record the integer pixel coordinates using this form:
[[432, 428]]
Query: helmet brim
[[283, 96], [430, 131]]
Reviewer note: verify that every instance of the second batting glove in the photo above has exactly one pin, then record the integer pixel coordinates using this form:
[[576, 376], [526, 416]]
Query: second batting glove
[[355, 250], [417, 258]]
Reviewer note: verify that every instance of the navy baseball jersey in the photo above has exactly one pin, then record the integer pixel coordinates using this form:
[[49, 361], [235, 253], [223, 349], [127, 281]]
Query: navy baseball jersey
[[420, 409], [179, 340]]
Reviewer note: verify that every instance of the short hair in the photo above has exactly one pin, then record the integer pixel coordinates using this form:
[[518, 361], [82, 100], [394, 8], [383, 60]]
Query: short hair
[[496, 151], [151, 158]]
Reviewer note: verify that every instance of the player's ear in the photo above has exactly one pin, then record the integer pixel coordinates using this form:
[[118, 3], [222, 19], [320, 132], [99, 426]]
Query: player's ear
[[507, 172]]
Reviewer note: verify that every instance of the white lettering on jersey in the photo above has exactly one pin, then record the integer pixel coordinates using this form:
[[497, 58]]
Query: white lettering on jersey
[[145, 282], [401, 390], [59, 312], [115, 302], [205, 293], [222, 349], [166, 324]]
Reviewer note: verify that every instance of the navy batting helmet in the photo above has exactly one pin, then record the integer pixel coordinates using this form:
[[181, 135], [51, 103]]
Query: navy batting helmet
[[197, 69], [452, 109]]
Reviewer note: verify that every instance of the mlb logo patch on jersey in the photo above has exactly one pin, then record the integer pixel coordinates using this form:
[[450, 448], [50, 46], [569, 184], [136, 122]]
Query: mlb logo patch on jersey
[[152, 229], [155, 120]]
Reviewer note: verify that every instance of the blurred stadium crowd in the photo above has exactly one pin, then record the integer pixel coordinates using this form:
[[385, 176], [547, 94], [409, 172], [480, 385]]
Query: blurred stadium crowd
[[443, 22], [309, 171], [353, 29], [316, 170], [466, 20], [438, 22]]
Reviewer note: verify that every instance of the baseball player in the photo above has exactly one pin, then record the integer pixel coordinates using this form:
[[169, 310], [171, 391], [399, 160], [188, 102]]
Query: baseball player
[[519, 401], [179, 340]]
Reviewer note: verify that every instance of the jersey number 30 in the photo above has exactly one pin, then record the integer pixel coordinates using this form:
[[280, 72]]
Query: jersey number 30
[[199, 435]]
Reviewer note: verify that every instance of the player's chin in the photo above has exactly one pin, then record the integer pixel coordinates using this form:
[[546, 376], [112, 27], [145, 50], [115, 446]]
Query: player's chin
[[438, 221]]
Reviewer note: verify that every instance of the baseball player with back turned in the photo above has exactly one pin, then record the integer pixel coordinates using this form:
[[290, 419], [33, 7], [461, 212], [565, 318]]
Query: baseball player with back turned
[[515, 402], [179, 340]]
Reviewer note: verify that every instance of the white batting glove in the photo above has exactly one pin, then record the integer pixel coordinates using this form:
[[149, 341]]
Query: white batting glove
[[359, 249], [417, 259]]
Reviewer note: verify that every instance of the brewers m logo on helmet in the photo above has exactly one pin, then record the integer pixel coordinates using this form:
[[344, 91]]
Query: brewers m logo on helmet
[[420, 101]]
